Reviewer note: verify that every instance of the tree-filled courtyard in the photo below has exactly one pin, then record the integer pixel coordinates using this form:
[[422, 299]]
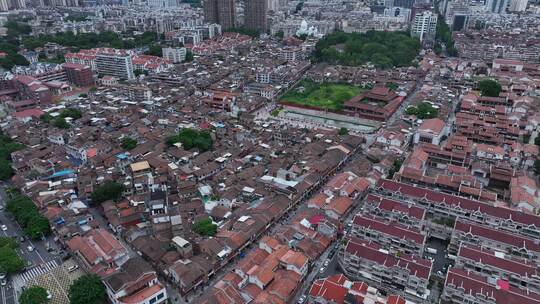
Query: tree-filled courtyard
[[383, 49]]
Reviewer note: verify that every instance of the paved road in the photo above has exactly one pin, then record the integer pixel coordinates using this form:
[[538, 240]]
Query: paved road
[[330, 254], [98, 216], [533, 136], [34, 256], [440, 262], [399, 112]]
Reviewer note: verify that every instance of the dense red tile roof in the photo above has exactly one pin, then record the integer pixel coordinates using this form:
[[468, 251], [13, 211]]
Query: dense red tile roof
[[392, 229], [461, 202], [433, 126], [330, 289], [396, 207], [497, 235], [416, 266], [487, 257], [476, 285]]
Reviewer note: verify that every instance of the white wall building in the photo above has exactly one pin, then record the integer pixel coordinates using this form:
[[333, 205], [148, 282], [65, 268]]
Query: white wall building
[[174, 55], [4, 5], [163, 3], [112, 64], [518, 5], [424, 26], [431, 131]]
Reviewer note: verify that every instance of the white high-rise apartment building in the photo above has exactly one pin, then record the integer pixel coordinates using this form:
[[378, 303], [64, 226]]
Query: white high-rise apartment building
[[174, 55], [116, 64], [163, 3], [424, 26], [4, 5], [518, 5], [497, 6]]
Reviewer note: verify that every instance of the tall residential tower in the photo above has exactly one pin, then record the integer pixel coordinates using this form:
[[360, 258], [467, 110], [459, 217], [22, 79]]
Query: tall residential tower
[[255, 15], [424, 26], [221, 12]]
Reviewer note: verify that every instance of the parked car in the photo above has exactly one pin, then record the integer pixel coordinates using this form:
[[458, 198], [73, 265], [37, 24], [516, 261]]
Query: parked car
[[326, 263], [332, 252], [73, 268], [4, 227], [431, 250], [3, 282], [302, 299], [30, 248]]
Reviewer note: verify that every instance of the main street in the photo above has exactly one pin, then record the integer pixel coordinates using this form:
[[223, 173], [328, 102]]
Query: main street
[[406, 103], [34, 253], [330, 255]]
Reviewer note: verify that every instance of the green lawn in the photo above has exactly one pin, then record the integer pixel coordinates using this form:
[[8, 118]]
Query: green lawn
[[325, 95]]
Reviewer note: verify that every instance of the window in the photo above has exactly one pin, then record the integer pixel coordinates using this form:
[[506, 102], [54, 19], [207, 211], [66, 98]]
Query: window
[[153, 300], [425, 139], [160, 296]]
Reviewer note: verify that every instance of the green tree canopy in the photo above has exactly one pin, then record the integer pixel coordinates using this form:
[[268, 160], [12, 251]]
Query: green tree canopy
[[489, 87], [8, 241], [8, 47], [423, 111], [37, 224], [34, 295], [205, 227], [383, 49], [189, 56], [87, 289], [46, 117], [61, 123], [154, 50], [245, 31], [10, 261], [537, 167], [6, 171], [16, 28], [28, 216], [108, 191], [411, 110], [71, 112], [129, 143], [343, 131], [193, 3], [190, 138], [59, 59], [392, 86], [395, 168], [139, 72], [443, 34], [13, 59], [7, 146], [299, 7]]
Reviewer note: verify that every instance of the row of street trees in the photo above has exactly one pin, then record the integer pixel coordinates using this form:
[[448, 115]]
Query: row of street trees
[[7, 146], [87, 289]]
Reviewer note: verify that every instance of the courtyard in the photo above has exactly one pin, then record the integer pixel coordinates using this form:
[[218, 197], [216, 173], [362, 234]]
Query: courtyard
[[326, 95], [54, 277]]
